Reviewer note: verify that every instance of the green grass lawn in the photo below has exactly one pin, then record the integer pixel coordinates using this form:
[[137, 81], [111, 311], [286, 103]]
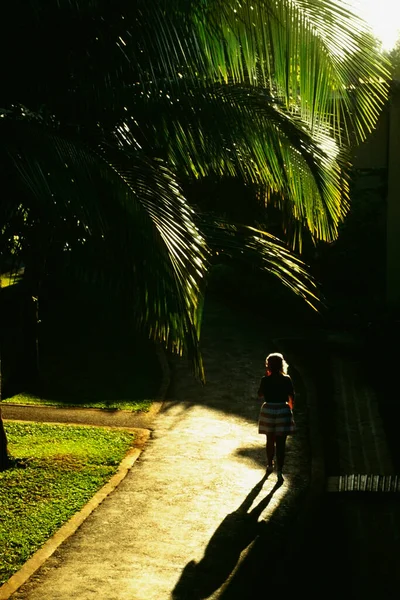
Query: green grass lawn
[[56, 470], [76, 402]]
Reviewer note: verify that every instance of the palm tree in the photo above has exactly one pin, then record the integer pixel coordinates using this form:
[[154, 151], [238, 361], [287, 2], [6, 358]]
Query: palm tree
[[106, 108]]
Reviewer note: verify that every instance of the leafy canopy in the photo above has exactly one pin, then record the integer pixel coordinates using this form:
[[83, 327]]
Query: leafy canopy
[[108, 107]]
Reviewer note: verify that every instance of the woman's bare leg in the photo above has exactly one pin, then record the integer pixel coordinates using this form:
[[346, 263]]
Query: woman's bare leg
[[270, 447], [280, 452]]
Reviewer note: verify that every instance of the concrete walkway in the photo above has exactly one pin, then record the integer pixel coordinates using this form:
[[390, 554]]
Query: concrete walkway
[[82, 416], [195, 517]]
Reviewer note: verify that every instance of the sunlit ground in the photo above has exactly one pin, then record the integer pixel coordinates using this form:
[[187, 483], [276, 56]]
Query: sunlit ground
[[225, 459]]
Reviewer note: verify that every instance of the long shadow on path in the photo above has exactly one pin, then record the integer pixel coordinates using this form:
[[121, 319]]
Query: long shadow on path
[[234, 534]]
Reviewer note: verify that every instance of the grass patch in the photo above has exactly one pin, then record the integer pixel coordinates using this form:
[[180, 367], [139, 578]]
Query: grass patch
[[57, 469], [31, 399]]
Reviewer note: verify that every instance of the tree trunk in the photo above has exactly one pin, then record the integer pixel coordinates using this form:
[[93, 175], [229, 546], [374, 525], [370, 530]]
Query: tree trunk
[[29, 357], [4, 459]]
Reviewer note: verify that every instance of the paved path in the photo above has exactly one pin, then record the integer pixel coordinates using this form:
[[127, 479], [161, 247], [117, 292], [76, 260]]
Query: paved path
[[81, 416], [195, 517]]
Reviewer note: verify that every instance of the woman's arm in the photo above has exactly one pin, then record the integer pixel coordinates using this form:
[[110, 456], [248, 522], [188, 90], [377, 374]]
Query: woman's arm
[[260, 392], [291, 394]]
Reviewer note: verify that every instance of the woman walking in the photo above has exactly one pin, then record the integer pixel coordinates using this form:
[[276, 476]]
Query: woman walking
[[276, 416]]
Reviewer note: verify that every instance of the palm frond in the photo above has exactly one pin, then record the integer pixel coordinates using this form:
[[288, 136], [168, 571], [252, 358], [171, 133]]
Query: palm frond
[[125, 206], [316, 56], [257, 248], [242, 130], [145, 92], [173, 248]]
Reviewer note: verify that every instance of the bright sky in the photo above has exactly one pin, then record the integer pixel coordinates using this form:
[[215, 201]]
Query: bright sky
[[384, 18]]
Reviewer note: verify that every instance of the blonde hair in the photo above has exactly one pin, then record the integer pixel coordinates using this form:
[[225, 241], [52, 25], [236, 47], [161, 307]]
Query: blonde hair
[[275, 363]]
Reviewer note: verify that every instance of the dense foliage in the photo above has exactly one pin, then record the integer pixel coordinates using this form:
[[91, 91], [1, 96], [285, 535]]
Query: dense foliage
[[109, 108]]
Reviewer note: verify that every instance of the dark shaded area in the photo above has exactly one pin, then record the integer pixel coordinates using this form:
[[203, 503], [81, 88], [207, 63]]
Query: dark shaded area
[[351, 274], [381, 356], [352, 270], [4, 457], [89, 348], [267, 566], [351, 548], [234, 534], [351, 543]]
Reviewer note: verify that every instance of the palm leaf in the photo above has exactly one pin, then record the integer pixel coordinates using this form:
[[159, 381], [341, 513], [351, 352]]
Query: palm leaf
[[316, 56], [261, 250], [126, 207], [242, 130]]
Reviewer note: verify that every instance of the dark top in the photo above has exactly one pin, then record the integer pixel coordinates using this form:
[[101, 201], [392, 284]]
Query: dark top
[[276, 388]]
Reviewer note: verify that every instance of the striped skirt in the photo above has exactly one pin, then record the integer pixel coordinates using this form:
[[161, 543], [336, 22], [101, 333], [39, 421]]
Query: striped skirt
[[276, 418]]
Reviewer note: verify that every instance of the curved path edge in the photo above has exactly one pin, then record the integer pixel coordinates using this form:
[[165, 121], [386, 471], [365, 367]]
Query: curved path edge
[[37, 560]]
